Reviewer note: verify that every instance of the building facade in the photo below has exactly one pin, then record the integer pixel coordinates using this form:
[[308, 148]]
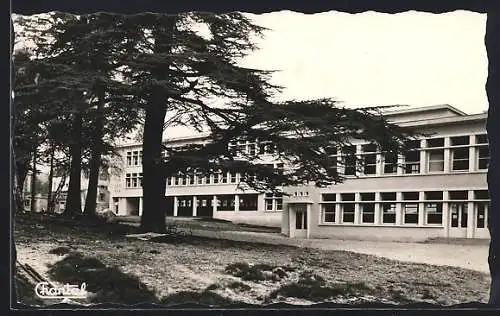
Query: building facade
[[218, 195], [437, 190]]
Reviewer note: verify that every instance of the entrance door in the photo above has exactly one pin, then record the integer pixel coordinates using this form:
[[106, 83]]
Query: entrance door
[[481, 220], [458, 220], [301, 223]]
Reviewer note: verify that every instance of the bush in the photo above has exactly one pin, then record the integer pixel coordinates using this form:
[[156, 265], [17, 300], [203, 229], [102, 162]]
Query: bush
[[236, 285], [60, 251]]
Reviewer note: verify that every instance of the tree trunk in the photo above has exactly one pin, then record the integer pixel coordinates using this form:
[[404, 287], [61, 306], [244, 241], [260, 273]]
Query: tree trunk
[[95, 162], [33, 183], [154, 182], [21, 173], [50, 200], [73, 200], [493, 128]]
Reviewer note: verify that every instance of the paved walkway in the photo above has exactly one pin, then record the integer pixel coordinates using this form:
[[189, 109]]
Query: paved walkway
[[474, 257]]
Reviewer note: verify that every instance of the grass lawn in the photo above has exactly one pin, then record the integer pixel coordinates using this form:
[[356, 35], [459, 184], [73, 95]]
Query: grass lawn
[[218, 272]]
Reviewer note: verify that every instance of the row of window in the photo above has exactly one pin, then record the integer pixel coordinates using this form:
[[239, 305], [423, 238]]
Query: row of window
[[133, 180], [434, 150], [227, 202], [217, 178], [410, 204]]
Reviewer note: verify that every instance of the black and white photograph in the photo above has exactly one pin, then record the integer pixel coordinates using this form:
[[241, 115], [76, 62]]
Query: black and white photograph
[[254, 159]]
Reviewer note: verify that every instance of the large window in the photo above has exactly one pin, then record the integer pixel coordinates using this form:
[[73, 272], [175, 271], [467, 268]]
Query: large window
[[460, 153], [248, 202], [129, 158], [133, 180], [225, 202], [435, 154], [348, 209], [367, 208], [433, 207], [369, 159], [410, 207], [388, 207], [328, 207], [482, 152], [350, 160], [412, 157], [390, 163]]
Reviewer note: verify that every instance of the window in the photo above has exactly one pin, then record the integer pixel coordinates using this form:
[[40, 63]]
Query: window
[[412, 157], [350, 161], [367, 208], [248, 202], [348, 212], [191, 179], [433, 208], [458, 195], [483, 157], [481, 195], [200, 178], [252, 149], [133, 180], [225, 202], [435, 159], [390, 163], [369, 159], [135, 158], [129, 158], [410, 209], [481, 214], [180, 180], [329, 213], [169, 181], [460, 155], [329, 197], [102, 197], [233, 177], [388, 207], [216, 178], [224, 177], [128, 180], [274, 202]]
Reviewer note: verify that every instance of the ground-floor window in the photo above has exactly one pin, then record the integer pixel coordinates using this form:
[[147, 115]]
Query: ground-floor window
[[348, 210], [410, 211], [434, 213], [225, 202], [274, 202], [248, 202], [482, 208], [388, 213], [328, 213], [368, 213]]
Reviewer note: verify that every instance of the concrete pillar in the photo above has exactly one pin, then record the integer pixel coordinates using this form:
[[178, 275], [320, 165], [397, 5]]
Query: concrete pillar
[[340, 165], [195, 206], [399, 208], [472, 153], [380, 165], [236, 203], [447, 155], [261, 203], [470, 215], [446, 214], [423, 156], [401, 161], [291, 221], [214, 204], [378, 215], [338, 209], [140, 206], [176, 205], [421, 210], [357, 208]]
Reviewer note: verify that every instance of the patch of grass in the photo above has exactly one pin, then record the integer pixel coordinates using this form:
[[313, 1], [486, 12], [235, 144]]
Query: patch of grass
[[108, 284], [313, 287], [61, 251], [258, 272], [205, 298], [237, 285]]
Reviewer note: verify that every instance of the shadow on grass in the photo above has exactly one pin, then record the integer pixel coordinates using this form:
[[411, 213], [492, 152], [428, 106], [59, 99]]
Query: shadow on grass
[[313, 287], [204, 298], [257, 272], [108, 284]]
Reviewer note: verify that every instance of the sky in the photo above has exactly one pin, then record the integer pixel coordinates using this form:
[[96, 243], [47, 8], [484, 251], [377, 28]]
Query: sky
[[367, 59], [377, 59]]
